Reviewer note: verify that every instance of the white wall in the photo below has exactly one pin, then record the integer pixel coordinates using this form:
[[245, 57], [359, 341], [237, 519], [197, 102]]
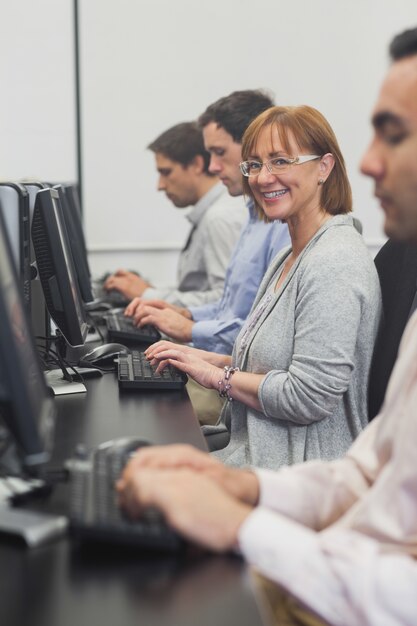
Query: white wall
[[37, 103], [148, 65]]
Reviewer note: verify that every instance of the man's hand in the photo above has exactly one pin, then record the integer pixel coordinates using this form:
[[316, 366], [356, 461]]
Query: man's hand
[[137, 304], [166, 320], [192, 504], [241, 484], [128, 283]]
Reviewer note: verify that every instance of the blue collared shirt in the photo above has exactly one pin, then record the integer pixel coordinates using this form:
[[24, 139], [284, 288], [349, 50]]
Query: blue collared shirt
[[217, 324]]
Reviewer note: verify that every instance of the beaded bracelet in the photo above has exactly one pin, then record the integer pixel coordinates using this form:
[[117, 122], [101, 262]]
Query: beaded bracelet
[[224, 385]]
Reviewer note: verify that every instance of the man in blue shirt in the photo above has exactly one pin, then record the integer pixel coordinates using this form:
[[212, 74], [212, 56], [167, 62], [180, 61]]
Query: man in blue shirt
[[215, 326]]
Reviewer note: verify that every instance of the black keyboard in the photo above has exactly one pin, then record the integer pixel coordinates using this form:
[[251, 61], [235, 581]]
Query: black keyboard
[[94, 512], [135, 372], [121, 328]]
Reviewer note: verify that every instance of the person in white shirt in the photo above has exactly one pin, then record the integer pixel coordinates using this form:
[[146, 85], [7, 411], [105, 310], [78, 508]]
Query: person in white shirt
[[339, 537], [216, 220]]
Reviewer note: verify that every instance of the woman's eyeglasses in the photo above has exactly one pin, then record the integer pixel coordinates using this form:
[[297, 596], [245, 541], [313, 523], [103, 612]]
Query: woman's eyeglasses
[[277, 165]]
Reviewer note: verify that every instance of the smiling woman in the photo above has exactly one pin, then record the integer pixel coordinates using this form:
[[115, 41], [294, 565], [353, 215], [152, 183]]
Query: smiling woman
[[289, 137], [303, 190], [297, 378]]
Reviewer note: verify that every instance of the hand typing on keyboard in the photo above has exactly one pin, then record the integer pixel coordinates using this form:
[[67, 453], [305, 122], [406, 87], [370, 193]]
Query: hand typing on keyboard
[[192, 503], [136, 372], [167, 320], [95, 513], [128, 283], [204, 367], [121, 328]]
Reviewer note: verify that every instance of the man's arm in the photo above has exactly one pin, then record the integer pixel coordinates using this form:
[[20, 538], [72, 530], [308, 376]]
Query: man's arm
[[343, 576], [317, 493], [184, 298], [216, 335], [207, 311]]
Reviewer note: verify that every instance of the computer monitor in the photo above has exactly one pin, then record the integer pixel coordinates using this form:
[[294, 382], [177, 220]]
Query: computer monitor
[[79, 255], [56, 268], [32, 188], [26, 409], [40, 319], [14, 205], [73, 196]]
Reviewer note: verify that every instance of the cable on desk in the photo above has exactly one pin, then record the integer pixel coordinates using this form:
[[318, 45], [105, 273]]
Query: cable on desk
[[91, 320], [52, 357]]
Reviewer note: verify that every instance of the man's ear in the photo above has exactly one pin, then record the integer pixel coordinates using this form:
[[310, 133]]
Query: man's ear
[[197, 164]]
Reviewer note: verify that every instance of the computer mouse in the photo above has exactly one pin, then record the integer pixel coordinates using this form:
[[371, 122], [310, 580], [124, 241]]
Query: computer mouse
[[103, 355]]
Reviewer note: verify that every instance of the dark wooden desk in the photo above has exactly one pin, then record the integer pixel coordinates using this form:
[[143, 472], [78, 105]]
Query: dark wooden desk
[[63, 584]]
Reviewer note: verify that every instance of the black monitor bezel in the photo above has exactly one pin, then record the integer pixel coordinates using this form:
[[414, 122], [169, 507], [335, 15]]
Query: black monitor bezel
[[77, 244], [31, 426], [72, 194], [56, 268]]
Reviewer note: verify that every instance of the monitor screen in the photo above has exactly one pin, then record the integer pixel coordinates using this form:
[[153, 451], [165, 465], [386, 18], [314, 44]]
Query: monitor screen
[[41, 322], [72, 194], [56, 268], [73, 225], [25, 406]]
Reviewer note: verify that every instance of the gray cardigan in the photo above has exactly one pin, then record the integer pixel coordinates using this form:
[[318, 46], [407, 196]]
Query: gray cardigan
[[314, 341]]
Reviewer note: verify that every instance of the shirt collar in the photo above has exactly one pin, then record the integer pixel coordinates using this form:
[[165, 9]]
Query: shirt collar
[[198, 210], [253, 214]]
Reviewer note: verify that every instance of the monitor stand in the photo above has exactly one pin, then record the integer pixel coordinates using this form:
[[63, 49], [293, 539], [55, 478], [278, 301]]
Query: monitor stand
[[60, 385], [33, 527], [60, 381]]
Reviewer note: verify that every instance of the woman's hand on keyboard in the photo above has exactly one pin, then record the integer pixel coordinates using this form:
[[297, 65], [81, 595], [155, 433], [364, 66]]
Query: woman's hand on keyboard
[[201, 371], [219, 360]]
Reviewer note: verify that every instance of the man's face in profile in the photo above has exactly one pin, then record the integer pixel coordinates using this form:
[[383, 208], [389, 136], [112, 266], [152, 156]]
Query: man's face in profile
[[177, 181], [225, 156], [391, 159]]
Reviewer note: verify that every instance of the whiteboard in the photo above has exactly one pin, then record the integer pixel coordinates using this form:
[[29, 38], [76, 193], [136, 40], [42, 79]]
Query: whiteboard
[[147, 66]]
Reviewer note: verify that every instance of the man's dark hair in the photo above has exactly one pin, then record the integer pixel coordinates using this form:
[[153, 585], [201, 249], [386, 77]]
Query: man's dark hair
[[235, 112], [182, 143], [404, 45]]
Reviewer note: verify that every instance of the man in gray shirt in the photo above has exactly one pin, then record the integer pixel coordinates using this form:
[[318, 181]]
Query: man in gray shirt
[[216, 221]]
